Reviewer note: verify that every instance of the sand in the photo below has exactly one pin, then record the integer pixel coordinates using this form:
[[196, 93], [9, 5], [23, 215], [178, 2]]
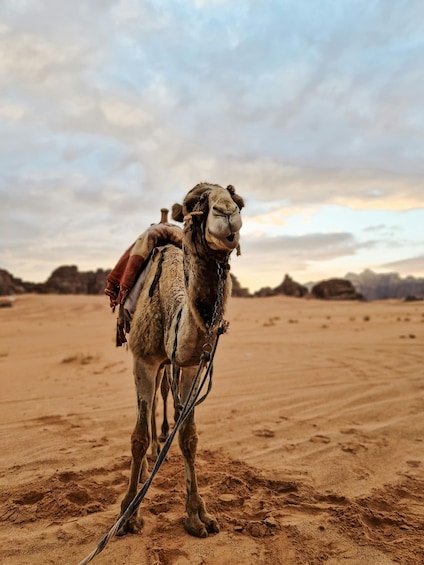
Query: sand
[[311, 443]]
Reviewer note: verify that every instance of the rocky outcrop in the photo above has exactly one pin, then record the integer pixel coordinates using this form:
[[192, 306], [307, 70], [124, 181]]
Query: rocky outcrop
[[237, 289], [68, 280], [413, 298], [64, 280], [288, 287], [8, 284], [11, 285], [368, 285], [335, 289], [379, 286], [264, 291]]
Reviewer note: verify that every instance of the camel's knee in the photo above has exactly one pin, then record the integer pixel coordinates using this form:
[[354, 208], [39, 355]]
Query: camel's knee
[[139, 445], [188, 440], [140, 438]]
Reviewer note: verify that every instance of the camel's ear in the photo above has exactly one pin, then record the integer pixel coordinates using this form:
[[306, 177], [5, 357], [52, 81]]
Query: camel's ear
[[237, 199], [177, 213]]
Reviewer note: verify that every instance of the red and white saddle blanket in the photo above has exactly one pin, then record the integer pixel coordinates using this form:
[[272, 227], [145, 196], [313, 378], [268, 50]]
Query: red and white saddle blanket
[[125, 281]]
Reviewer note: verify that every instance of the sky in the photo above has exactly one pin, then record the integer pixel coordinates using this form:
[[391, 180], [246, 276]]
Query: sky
[[314, 111]]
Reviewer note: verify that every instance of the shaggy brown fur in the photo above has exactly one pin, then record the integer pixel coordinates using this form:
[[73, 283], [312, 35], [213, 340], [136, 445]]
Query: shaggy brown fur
[[188, 285]]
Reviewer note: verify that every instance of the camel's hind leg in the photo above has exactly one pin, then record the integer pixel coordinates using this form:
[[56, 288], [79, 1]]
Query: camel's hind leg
[[145, 382], [198, 522]]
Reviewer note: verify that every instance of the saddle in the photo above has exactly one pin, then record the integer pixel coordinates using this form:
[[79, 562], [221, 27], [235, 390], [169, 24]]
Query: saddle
[[127, 278]]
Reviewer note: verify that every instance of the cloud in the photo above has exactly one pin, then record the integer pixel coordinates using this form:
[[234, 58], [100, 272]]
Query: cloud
[[266, 180], [122, 114], [11, 111], [407, 266], [112, 109], [278, 119], [315, 256], [311, 247]]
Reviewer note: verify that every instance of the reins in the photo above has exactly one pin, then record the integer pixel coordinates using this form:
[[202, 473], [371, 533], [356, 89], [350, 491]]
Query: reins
[[193, 399]]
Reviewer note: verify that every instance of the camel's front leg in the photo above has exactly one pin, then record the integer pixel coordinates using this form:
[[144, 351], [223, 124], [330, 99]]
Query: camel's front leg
[[145, 377], [198, 522]]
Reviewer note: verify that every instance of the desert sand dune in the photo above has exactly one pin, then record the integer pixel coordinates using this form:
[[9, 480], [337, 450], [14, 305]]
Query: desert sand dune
[[311, 443]]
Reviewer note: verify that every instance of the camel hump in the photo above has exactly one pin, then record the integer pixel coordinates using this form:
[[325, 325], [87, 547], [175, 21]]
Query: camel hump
[[164, 215]]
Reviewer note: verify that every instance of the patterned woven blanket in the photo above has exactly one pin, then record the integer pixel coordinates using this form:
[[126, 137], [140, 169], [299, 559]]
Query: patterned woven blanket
[[130, 266]]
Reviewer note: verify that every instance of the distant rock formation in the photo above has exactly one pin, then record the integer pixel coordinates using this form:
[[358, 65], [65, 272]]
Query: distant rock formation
[[237, 289], [68, 280], [64, 280], [11, 285], [264, 291], [288, 287], [379, 286], [413, 298], [8, 284], [335, 289]]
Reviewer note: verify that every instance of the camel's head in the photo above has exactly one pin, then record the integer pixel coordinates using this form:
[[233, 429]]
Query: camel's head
[[217, 210]]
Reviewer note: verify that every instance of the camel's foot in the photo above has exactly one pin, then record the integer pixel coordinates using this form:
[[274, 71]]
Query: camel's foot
[[200, 527], [199, 522], [134, 524], [163, 437]]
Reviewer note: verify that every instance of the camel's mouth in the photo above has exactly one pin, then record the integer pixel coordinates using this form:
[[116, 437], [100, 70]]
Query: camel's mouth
[[222, 242]]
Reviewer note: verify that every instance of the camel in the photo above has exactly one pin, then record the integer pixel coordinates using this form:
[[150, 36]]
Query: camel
[[177, 313]]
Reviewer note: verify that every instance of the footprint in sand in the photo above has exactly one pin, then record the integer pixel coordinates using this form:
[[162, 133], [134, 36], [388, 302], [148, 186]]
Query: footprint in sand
[[53, 419], [29, 498], [264, 432], [414, 464], [353, 448], [320, 439]]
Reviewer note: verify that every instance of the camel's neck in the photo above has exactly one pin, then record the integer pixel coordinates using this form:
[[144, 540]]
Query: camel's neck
[[207, 285]]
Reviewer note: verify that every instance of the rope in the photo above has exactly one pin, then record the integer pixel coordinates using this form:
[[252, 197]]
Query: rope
[[191, 402]]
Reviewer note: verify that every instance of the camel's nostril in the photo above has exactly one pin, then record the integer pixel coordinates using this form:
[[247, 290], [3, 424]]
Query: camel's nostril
[[231, 237]]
